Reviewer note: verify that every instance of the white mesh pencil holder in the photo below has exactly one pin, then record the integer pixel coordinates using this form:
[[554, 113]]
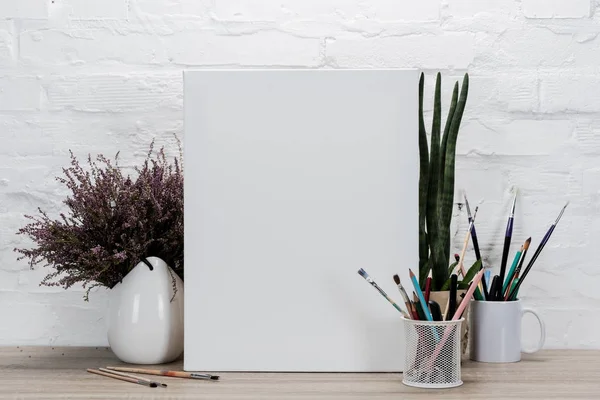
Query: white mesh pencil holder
[[432, 354]]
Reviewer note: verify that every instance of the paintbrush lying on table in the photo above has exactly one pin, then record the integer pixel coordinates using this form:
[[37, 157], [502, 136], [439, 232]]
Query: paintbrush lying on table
[[175, 374], [124, 377]]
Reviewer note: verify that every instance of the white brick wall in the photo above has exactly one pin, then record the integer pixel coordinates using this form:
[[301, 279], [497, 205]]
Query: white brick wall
[[106, 76], [556, 8]]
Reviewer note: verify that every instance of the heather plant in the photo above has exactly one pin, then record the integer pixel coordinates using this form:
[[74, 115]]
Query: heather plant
[[113, 221]]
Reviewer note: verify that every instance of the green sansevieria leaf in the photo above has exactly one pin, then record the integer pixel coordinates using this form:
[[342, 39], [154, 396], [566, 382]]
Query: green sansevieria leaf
[[472, 271]]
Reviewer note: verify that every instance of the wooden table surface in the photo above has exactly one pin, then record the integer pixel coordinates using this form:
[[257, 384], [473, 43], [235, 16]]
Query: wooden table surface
[[60, 373]]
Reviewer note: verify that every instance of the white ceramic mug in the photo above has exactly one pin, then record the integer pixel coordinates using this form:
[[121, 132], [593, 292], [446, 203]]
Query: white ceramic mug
[[496, 331]]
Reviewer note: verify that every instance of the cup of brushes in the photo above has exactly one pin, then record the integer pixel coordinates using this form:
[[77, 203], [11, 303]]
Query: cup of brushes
[[432, 345], [432, 356], [496, 322]]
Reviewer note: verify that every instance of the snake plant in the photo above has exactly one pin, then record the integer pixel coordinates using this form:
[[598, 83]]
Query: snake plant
[[436, 182]]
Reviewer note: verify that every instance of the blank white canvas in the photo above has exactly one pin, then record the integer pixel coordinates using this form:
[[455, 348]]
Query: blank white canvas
[[295, 179]]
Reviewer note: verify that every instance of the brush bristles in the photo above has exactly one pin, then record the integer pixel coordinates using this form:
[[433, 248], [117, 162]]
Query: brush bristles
[[527, 243], [214, 377], [397, 279], [363, 273]]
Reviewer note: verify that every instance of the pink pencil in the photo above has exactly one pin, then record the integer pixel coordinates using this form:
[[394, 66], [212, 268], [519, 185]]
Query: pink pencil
[[463, 304]]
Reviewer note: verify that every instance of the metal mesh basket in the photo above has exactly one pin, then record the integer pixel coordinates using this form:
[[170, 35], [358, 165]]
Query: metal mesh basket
[[432, 354]]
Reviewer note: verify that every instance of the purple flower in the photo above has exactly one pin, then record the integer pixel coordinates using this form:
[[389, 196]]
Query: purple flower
[[112, 222]]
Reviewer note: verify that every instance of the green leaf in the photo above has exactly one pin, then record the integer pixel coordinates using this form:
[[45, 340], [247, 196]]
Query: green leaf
[[444, 143], [446, 285], [463, 285], [423, 272], [440, 259], [447, 195], [424, 239], [451, 267], [472, 271]]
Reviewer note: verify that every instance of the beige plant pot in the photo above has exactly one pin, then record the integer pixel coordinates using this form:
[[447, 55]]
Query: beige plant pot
[[442, 299]]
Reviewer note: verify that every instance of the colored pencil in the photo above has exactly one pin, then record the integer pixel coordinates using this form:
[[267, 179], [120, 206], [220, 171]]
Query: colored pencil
[[420, 296], [420, 311], [457, 315], [122, 378], [162, 372], [364, 274], [428, 286], [507, 239], [537, 253], [465, 301], [409, 306], [512, 269]]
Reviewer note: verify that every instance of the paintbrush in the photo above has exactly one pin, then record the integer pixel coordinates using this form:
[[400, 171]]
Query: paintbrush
[[473, 232], [364, 274], [514, 272], [459, 266], [461, 259], [409, 305], [137, 381], [537, 253], [149, 381], [517, 272], [507, 239], [483, 284], [160, 372], [511, 271]]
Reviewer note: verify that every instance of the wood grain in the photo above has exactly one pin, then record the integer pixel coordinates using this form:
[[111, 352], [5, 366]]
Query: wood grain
[[60, 373]]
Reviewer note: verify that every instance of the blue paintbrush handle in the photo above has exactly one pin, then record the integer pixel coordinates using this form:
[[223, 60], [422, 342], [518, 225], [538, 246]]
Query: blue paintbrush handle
[[511, 272], [421, 298]]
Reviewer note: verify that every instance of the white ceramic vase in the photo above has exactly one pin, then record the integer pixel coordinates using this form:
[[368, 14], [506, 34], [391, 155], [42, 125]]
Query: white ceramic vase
[[145, 323]]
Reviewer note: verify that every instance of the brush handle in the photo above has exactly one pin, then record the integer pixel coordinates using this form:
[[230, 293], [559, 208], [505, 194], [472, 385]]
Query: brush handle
[[494, 287], [452, 297], [507, 239], [412, 312], [108, 371], [161, 372], [511, 272], [119, 377], [532, 261], [475, 241], [403, 294], [486, 293], [396, 306]]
